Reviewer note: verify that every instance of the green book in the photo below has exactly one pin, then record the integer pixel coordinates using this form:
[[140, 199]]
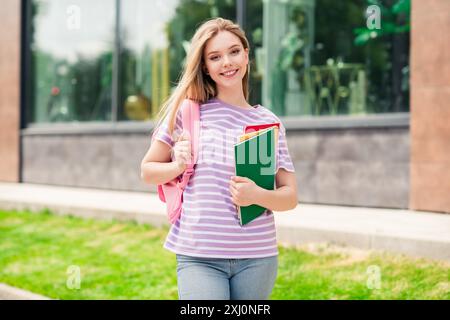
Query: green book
[[255, 158]]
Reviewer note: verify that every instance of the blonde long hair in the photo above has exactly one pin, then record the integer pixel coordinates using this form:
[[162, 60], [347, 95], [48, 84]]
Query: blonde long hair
[[194, 83]]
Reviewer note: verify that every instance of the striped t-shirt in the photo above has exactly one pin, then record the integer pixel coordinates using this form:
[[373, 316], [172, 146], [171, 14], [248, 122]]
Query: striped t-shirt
[[209, 224]]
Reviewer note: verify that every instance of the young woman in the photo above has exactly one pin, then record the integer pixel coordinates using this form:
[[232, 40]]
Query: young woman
[[217, 258]]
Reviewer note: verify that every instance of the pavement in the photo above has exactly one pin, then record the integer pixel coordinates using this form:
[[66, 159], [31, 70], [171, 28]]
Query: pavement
[[11, 293], [420, 234], [413, 233]]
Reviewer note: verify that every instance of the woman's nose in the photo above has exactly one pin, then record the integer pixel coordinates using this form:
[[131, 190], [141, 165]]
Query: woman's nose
[[226, 60]]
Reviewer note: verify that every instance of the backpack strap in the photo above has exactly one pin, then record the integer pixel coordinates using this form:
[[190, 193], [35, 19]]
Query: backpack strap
[[190, 115], [190, 120]]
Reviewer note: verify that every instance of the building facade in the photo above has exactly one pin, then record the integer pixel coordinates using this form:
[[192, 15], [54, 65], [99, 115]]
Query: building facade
[[361, 89]]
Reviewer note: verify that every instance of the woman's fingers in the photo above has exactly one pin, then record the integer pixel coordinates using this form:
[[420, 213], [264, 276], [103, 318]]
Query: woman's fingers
[[185, 149], [233, 188], [182, 149], [185, 157], [183, 146], [185, 136]]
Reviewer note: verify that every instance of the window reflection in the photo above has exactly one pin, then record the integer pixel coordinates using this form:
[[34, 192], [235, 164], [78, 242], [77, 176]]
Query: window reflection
[[155, 37], [319, 58], [308, 57], [71, 47], [253, 25]]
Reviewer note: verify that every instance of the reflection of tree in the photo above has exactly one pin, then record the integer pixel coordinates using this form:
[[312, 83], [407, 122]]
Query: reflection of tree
[[79, 91], [396, 19], [253, 29], [91, 92], [51, 87], [292, 54], [63, 90], [132, 80], [291, 57], [146, 76], [188, 16], [384, 58], [395, 26]]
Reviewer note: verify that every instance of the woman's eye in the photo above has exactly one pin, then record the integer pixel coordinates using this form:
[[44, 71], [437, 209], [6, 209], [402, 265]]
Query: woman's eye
[[236, 51], [214, 58]]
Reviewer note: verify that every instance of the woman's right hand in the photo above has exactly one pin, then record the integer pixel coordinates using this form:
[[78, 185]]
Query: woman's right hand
[[182, 151]]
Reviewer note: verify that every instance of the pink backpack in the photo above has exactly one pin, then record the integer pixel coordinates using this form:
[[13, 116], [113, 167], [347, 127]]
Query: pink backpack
[[172, 192]]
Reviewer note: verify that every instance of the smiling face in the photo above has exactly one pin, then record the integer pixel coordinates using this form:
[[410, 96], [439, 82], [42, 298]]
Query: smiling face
[[226, 60]]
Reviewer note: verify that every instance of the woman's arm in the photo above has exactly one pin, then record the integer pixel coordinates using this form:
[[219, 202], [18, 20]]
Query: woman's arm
[[157, 167], [245, 192], [284, 197]]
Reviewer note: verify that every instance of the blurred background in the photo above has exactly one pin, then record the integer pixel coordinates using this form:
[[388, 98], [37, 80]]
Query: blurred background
[[360, 85]]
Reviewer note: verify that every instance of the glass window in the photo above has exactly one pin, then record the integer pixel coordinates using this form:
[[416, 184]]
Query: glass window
[[154, 38], [71, 54], [327, 57], [308, 57], [72, 50], [253, 26]]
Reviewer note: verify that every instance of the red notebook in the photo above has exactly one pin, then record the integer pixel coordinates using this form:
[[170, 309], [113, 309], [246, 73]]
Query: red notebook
[[256, 127]]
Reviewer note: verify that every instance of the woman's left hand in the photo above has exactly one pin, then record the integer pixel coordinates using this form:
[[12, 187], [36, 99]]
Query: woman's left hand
[[243, 191]]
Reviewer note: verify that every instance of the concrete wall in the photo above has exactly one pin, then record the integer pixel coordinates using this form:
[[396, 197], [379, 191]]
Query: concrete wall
[[10, 91], [107, 161], [361, 167], [430, 105], [357, 167]]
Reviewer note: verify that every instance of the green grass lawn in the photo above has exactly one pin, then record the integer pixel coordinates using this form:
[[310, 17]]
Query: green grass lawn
[[127, 261]]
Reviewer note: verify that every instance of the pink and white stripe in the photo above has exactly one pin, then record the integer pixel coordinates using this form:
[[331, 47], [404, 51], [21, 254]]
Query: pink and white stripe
[[209, 225]]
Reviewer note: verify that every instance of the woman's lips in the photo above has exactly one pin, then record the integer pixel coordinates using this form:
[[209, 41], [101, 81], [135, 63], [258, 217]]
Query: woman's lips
[[229, 74]]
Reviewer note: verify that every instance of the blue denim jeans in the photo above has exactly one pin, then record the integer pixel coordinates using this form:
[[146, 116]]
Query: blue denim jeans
[[225, 279]]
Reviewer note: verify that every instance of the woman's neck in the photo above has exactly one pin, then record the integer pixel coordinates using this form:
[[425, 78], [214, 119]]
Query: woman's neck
[[233, 98]]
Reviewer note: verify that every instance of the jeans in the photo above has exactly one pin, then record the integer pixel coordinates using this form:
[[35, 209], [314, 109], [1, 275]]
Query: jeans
[[225, 279]]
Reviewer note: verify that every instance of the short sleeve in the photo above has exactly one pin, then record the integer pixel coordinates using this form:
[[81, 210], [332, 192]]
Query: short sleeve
[[283, 158], [162, 132]]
